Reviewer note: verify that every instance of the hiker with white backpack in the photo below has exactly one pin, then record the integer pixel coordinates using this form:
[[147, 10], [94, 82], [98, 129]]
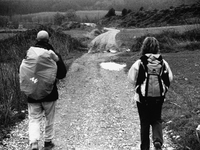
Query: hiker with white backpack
[[150, 76], [39, 72]]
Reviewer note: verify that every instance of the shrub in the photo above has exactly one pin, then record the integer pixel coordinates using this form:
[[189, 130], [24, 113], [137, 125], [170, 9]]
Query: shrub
[[124, 12], [70, 15], [58, 18], [129, 11], [111, 13], [4, 21]]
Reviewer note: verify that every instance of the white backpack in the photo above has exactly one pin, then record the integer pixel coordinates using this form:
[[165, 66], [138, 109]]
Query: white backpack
[[37, 73]]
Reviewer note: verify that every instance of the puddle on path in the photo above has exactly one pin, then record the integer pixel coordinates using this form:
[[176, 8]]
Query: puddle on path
[[112, 66]]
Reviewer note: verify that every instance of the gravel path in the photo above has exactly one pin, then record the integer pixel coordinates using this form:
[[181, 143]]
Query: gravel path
[[94, 112]]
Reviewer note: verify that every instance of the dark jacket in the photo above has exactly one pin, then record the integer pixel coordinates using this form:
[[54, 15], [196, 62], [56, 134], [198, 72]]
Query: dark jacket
[[61, 73]]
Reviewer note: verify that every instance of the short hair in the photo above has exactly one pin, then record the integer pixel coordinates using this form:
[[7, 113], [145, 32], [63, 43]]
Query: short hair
[[42, 35], [150, 45]]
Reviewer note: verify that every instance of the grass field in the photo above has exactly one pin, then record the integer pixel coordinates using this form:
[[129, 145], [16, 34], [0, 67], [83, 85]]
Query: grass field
[[182, 105], [48, 16], [94, 14], [6, 35]]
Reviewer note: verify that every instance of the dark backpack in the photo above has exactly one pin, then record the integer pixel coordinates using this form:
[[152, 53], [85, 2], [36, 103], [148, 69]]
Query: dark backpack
[[156, 76]]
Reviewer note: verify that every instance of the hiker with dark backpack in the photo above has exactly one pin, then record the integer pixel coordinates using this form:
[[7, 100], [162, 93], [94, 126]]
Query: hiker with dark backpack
[[151, 77], [39, 72]]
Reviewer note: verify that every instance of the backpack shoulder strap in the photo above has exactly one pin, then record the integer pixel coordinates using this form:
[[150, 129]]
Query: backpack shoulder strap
[[144, 59], [141, 71]]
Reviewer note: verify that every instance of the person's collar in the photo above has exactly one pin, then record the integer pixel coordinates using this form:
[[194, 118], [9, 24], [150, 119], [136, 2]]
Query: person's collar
[[152, 55]]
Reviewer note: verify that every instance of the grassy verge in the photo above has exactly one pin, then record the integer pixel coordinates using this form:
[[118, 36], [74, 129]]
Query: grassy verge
[[12, 51], [181, 110], [181, 113]]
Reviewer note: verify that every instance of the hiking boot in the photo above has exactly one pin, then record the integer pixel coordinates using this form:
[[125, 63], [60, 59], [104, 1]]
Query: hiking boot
[[34, 146], [158, 146], [48, 145]]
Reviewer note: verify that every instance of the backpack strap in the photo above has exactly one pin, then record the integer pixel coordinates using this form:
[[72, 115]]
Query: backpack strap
[[160, 77], [141, 74]]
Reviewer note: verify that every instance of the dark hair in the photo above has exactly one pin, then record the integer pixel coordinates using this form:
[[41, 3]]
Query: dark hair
[[150, 45]]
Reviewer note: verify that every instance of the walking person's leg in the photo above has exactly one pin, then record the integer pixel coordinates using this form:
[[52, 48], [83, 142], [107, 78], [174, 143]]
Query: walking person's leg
[[145, 126], [35, 113], [156, 123], [49, 124], [157, 134]]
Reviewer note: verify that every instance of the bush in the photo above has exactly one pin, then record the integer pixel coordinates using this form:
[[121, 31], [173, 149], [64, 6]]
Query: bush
[[58, 18], [129, 11], [70, 15], [4, 21], [124, 12], [110, 13]]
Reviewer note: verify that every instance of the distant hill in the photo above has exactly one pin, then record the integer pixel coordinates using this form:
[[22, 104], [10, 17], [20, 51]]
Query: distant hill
[[183, 14], [12, 7]]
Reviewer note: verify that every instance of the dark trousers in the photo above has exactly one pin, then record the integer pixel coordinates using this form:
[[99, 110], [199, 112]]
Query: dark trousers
[[150, 115]]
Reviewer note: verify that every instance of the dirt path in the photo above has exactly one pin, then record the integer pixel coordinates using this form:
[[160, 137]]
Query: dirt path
[[94, 112]]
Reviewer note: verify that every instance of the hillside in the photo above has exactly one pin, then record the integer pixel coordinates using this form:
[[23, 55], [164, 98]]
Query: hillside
[[11, 7], [184, 14]]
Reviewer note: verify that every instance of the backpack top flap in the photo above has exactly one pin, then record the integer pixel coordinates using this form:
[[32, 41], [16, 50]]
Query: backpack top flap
[[39, 62], [37, 73], [142, 73]]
